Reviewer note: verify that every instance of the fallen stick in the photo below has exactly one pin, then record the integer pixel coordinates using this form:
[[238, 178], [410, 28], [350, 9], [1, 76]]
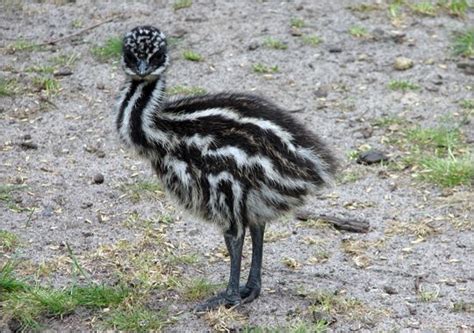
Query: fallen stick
[[80, 32], [347, 224]]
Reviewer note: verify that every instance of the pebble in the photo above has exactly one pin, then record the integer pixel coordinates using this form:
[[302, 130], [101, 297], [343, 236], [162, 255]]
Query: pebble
[[334, 49], [98, 178], [402, 63], [467, 67], [295, 32], [253, 46], [371, 157], [26, 145], [390, 290]]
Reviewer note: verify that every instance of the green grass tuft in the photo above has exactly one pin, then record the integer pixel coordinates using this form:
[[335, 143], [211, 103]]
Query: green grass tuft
[[457, 7], [8, 87], [192, 56], [109, 51], [49, 84], [448, 171], [8, 241], [311, 40], [402, 85], [358, 31], [467, 104], [264, 69], [443, 138], [297, 22], [273, 43], [198, 289], [140, 189], [464, 44], [180, 4], [424, 8], [136, 319], [22, 45]]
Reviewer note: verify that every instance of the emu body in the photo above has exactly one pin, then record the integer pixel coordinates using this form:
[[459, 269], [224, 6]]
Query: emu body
[[234, 160]]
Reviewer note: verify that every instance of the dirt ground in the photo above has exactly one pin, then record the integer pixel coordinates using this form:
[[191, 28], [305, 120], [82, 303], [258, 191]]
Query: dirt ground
[[411, 271]]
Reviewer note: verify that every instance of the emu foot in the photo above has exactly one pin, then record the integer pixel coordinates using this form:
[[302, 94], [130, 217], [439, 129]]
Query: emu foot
[[218, 300], [247, 295]]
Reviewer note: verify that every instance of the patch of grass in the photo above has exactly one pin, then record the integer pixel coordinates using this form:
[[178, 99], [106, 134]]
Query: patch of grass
[[184, 90], [192, 56], [49, 84], [180, 4], [428, 295], [467, 104], [264, 69], [464, 44], [311, 40], [136, 319], [297, 22], [394, 9], [364, 7], [8, 87], [22, 45], [6, 195], [358, 31], [424, 8], [28, 303], [457, 7], [109, 51], [463, 306], [387, 121], [448, 171], [65, 60], [402, 85], [438, 137], [199, 288], [273, 43], [43, 69], [8, 241], [136, 191], [332, 304], [319, 326]]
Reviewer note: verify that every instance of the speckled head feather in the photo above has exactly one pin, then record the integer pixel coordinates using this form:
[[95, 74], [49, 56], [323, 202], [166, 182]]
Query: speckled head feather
[[144, 52]]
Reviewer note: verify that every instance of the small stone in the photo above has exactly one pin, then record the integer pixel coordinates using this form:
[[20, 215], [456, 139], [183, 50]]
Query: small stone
[[467, 67], [87, 234], [371, 157], [85, 205], [178, 33], [295, 32], [390, 290], [98, 178], [100, 154], [322, 91], [100, 86], [334, 49], [62, 72], [26, 145], [402, 63], [253, 46]]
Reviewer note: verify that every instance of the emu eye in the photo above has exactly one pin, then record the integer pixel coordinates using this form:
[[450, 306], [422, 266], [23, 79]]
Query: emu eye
[[157, 58], [128, 57]]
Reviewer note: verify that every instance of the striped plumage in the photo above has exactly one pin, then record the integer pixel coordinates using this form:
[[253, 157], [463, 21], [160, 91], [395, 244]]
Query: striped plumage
[[232, 159]]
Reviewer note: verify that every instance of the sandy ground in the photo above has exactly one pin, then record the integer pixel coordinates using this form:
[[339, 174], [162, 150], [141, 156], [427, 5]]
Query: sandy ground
[[338, 88]]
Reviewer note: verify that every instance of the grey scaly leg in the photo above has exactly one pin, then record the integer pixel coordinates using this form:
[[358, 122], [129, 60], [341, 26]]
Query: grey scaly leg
[[254, 283], [231, 296]]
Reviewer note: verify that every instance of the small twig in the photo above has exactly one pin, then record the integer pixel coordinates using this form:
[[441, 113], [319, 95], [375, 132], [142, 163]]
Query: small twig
[[77, 33], [347, 224]]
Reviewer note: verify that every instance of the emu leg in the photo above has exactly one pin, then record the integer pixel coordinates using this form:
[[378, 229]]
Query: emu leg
[[231, 296], [254, 283]]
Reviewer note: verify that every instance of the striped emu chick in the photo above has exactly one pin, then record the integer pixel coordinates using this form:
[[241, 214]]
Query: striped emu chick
[[234, 160]]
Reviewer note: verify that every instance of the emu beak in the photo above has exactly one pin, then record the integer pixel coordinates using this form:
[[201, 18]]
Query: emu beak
[[142, 67]]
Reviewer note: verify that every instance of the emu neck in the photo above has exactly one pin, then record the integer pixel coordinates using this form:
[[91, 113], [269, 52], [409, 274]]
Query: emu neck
[[139, 102]]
